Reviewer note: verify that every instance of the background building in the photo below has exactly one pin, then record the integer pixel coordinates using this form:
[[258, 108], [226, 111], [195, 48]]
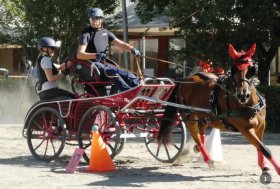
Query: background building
[[11, 58]]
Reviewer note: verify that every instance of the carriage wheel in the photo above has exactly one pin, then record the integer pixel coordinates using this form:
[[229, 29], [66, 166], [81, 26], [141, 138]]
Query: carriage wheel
[[170, 152], [46, 134], [121, 142], [108, 128]]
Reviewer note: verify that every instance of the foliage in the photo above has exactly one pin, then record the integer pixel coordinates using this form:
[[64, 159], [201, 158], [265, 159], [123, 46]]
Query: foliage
[[208, 26], [273, 107], [61, 19], [7, 22]]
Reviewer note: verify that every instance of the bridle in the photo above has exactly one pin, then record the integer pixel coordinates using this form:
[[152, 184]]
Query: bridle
[[229, 86], [240, 91]]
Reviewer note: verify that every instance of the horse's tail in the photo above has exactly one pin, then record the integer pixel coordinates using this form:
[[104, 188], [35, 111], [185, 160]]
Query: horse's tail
[[169, 114]]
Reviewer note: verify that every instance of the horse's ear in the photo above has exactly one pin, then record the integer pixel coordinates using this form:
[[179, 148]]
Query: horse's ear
[[232, 52], [251, 51]]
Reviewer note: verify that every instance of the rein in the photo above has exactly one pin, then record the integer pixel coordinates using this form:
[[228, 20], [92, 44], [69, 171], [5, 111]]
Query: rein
[[165, 61]]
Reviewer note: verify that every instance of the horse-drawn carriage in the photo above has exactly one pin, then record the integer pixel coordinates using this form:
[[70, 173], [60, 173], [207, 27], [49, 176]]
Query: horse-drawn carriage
[[49, 125], [157, 111]]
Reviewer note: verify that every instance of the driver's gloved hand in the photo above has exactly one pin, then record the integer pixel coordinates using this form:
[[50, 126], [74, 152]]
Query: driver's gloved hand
[[135, 52]]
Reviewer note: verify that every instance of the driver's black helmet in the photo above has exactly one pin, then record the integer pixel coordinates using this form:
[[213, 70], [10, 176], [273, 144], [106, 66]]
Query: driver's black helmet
[[46, 42]]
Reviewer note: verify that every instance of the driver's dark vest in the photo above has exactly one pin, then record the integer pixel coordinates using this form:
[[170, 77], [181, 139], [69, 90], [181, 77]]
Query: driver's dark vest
[[42, 78], [98, 39]]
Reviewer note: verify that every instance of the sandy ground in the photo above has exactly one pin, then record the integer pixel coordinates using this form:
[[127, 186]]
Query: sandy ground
[[136, 168]]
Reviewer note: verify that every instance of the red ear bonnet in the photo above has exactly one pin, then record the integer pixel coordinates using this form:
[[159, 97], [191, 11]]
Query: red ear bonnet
[[242, 59]]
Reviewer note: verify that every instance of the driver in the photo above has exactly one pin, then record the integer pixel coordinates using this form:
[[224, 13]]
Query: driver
[[93, 42]]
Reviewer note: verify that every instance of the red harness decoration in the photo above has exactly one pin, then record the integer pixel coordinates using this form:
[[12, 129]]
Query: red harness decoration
[[207, 67]]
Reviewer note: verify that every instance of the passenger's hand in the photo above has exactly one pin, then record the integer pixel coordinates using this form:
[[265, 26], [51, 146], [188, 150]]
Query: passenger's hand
[[135, 52], [65, 67], [65, 72], [100, 57]]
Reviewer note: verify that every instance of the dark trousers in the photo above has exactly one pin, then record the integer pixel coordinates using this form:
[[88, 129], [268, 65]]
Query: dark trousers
[[124, 80]]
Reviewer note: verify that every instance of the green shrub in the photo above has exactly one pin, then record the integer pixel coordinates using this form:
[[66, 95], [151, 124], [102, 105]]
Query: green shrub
[[272, 96]]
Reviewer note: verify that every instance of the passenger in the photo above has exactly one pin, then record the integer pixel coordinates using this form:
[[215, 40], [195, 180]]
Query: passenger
[[48, 72], [92, 44]]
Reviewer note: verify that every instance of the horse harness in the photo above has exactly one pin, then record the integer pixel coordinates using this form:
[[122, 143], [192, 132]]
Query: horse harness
[[222, 83]]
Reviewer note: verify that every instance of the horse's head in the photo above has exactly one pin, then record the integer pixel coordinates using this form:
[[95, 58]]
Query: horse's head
[[242, 71]]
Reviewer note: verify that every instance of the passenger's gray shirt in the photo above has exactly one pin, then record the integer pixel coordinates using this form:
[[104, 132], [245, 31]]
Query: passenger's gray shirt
[[45, 64]]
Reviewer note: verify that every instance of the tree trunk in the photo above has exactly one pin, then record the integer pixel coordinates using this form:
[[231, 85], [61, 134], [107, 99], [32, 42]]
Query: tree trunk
[[265, 58], [263, 71]]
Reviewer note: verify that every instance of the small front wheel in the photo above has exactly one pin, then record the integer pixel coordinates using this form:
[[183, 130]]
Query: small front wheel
[[46, 134]]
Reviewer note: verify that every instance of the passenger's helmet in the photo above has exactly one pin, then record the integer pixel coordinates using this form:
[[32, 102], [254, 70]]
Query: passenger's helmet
[[95, 12], [46, 42]]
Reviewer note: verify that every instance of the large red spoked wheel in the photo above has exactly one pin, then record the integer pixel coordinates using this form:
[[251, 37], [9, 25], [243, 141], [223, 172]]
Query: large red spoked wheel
[[166, 153], [108, 128], [46, 134]]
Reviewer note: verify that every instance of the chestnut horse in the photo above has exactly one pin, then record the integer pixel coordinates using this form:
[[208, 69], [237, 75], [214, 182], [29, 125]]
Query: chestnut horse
[[233, 101]]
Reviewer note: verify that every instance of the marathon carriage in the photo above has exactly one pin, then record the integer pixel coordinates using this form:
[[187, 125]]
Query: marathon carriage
[[137, 112]]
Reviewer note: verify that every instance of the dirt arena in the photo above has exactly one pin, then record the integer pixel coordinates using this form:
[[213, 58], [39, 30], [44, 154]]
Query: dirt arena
[[136, 168]]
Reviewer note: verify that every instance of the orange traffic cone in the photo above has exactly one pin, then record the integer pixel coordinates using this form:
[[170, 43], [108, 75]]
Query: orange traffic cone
[[100, 160]]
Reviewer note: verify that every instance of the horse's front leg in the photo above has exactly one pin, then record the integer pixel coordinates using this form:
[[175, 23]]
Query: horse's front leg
[[266, 176], [263, 151], [266, 152], [261, 160]]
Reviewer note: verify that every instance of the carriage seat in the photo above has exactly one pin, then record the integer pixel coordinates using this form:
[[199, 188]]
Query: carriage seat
[[87, 74], [84, 70]]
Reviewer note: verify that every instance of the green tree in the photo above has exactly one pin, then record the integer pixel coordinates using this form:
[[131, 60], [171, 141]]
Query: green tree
[[209, 26], [61, 19], [8, 22]]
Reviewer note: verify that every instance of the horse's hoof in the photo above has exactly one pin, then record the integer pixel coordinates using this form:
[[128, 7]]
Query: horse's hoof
[[266, 177], [195, 149], [212, 164]]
